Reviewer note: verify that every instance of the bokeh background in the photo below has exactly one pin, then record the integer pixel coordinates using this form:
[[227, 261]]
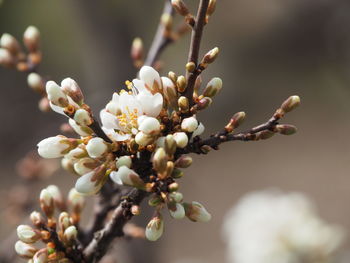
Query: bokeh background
[[269, 50]]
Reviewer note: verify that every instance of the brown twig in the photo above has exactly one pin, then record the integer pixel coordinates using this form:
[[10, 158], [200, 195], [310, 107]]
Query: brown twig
[[114, 228], [161, 40], [196, 37]]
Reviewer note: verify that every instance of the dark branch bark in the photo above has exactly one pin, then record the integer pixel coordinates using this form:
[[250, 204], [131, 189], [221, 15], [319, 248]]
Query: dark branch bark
[[160, 41], [196, 37]]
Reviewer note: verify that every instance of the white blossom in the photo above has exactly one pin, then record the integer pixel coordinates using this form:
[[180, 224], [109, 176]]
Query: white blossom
[[275, 227], [189, 124], [181, 139], [127, 176]]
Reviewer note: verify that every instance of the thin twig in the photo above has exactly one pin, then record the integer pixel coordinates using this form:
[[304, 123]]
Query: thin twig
[[196, 37], [160, 41]]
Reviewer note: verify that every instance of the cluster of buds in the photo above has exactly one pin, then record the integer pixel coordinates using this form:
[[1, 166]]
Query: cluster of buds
[[13, 56], [145, 125], [58, 234]]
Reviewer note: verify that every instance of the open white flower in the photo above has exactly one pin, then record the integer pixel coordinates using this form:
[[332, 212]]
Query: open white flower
[[124, 114]]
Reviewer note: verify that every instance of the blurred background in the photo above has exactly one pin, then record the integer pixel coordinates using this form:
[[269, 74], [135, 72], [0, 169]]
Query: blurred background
[[269, 50]]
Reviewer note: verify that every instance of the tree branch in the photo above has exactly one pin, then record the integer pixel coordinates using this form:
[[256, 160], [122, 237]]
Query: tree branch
[[196, 37], [161, 40]]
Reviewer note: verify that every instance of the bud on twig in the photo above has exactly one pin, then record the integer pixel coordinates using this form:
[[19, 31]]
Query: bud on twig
[[210, 57], [189, 124], [160, 160], [83, 117], [127, 176], [181, 84], [37, 219], [197, 212], [137, 51], [155, 228], [181, 139], [41, 256], [180, 7], [27, 234], [70, 234], [190, 66], [291, 103], [10, 43], [211, 7], [76, 201], [177, 211], [72, 89], [235, 121], [56, 195], [6, 59], [25, 250], [56, 95], [36, 82], [184, 161], [183, 104], [286, 129], [177, 173], [31, 38], [47, 203], [170, 92], [167, 21], [213, 87]]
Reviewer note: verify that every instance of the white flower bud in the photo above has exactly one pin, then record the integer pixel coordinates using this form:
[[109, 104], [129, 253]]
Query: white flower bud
[[25, 250], [71, 88], [151, 77], [53, 147], [170, 92], [64, 221], [124, 161], [27, 234], [178, 212], [85, 165], [197, 212], [37, 219], [6, 58], [47, 202], [35, 82], [213, 87], [41, 256], [96, 147], [143, 139], [181, 139], [155, 228], [160, 160], [91, 182], [56, 95], [70, 234], [199, 131], [127, 176], [80, 129], [76, 200], [82, 117], [10, 43], [31, 38], [150, 126], [189, 124], [56, 194], [76, 153], [176, 196]]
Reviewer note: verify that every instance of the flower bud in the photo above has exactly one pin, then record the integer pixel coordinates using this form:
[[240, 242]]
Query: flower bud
[[160, 160], [76, 201], [189, 124], [181, 139], [211, 7], [172, 75], [151, 77], [70, 234], [190, 66], [96, 147], [91, 182], [291, 103], [181, 84], [128, 177], [82, 117], [213, 87], [76, 153], [176, 196], [135, 210], [167, 21], [155, 228], [180, 7], [143, 139], [177, 211], [44, 105], [124, 161], [85, 165], [64, 221], [173, 187], [137, 49], [170, 144], [183, 104], [264, 135], [56, 195], [31, 38], [149, 126], [235, 121], [10, 43], [184, 161], [25, 250], [155, 200], [54, 147], [6, 58], [204, 103], [286, 129], [197, 212], [37, 219], [71, 88], [177, 173], [56, 95], [27, 234], [47, 203], [41, 256], [36, 82], [170, 92], [210, 56], [199, 131], [80, 129]]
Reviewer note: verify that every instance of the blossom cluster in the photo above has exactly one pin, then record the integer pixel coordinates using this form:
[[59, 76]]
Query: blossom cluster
[[271, 226], [144, 128], [58, 234]]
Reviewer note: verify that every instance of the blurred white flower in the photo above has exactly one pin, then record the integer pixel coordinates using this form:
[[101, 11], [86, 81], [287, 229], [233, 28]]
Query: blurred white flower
[[274, 227]]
